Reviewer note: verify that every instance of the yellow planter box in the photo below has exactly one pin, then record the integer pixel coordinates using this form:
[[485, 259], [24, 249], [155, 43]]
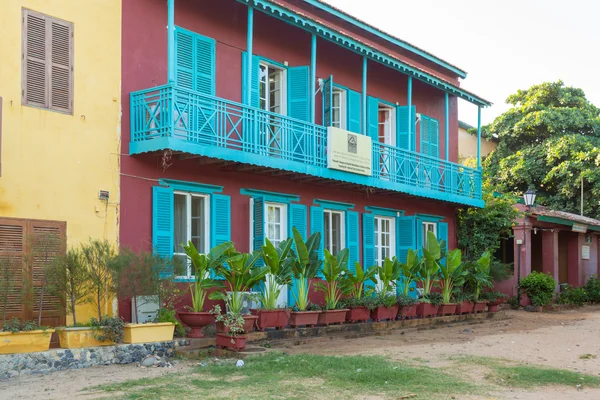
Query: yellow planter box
[[147, 333], [25, 342], [76, 338]]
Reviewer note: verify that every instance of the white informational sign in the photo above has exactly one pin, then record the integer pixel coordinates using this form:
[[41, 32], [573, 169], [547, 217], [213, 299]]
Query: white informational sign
[[585, 252], [579, 228], [350, 152]]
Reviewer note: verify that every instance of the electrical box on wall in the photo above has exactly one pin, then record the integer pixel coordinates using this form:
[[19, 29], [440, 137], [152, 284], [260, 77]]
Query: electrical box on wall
[[147, 309], [103, 195]]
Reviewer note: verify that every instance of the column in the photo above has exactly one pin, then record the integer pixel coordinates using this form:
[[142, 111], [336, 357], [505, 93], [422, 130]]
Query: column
[[447, 127], [410, 116], [364, 97], [574, 259], [550, 254], [522, 232], [479, 137], [313, 76], [171, 40], [249, 37]]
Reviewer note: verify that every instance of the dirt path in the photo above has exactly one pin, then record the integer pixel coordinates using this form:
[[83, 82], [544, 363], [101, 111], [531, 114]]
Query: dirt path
[[551, 339]]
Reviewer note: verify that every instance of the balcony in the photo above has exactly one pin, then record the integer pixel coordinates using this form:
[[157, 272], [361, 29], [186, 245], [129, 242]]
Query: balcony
[[182, 120]]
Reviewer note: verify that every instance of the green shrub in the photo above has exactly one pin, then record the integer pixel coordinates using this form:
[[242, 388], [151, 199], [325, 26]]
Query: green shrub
[[433, 298], [492, 296], [539, 287], [514, 302], [167, 315], [592, 288], [108, 328], [380, 300], [405, 300], [573, 296], [16, 325]]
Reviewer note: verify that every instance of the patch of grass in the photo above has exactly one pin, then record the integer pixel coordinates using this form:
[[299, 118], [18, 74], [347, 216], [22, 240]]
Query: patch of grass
[[298, 376], [587, 356]]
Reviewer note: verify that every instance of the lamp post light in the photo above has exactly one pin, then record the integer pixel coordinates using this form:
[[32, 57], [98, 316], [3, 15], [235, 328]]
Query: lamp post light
[[529, 198]]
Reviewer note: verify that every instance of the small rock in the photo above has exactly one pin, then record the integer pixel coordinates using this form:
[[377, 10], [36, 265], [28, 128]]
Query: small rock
[[239, 363], [150, 361]]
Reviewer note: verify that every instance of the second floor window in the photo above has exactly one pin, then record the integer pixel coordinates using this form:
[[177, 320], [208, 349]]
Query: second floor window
[[333, 230], [190, 224], [272, 88], [386, 125], [338, 108]]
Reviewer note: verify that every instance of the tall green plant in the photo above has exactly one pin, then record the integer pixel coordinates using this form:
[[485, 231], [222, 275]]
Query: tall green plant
[[451, 274], [202, 265], [388, 275], [410, 270], [279, 260], [98, 255], [305, 266], [9, 265], [479, 276], [430, 265], [335, 268], [354, 283]]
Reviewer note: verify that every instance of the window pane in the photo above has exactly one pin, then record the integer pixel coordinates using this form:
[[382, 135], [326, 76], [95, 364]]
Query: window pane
[[336, 231], [336, 99], [180, 222], [327, 230]]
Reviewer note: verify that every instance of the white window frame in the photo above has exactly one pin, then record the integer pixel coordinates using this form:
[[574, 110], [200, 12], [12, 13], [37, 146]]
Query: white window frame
[[328, 240], [425, 228], [342, 123], [379, 235], [282, 224], [389, 125], [189, 196], [282, 89]]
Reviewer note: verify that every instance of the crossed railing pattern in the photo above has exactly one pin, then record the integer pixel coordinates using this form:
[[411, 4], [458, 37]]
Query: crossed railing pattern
[[172, 111]]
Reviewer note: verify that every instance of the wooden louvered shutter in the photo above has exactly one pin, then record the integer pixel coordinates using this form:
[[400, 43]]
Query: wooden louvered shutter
[[12, 273], [47, 75]]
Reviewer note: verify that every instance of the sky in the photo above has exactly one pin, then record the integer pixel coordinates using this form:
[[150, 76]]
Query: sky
[[503, 45]]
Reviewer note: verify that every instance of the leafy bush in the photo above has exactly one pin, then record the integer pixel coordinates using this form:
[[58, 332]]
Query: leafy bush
[[539, 287], [433, 298], [492, 296], [380, 300], [405, 301], [166, 315], [353, 302], [16, 325], [459, 297], [592, 288], [573, 296], [514, 302], [313, 307], [108, 328]]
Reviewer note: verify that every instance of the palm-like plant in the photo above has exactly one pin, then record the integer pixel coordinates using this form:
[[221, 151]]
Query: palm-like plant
[[480, 276], [305, 266], [279, 261], [240, 272], [203, 265], [410, 270], [388, 274], [335, 267], [430, 264], [452, 274], [354, 284]]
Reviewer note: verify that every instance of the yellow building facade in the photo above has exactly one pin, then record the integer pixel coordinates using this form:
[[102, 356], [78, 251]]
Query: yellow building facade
[[60, 82]]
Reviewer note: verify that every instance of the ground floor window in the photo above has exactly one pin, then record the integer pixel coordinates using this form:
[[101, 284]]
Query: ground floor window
[[276, 223], [428, 227], [191, 223], [333, 230], [385, 239]]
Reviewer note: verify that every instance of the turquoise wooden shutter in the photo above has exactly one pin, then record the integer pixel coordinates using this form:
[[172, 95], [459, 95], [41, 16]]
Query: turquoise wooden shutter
[[353, 112], [373, 118], [299, 93], [424, 131], [403, 141], [195, 60], [258, 228], [405, 239], [220, 219], [327, 100], [297, 219], [316, 225], [368, 231], [434, 138], [352, 240], [443, 235], [254, 85], [162, 222]]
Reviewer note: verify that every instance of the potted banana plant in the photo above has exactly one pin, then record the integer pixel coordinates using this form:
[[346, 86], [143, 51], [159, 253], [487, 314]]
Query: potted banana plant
[[203, 265], [241, 274], [481, 279], [305, 267], [353, 286], [409, 270], [428, 273], [451, 275], [279, 263], [334, 269], [387, 275]]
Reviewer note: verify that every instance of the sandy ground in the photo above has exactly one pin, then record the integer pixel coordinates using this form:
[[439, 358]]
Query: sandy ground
[[550, 339]]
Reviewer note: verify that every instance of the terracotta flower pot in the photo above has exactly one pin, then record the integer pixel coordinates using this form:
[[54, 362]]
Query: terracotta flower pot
[[196, 321], [447, 309], [407, 312], [425, 310], [358, 314], [466, 307], [493, 305], [249, 321], [480, 306], [277, 319], [328, 317], [306, 318], [383, 313], [235, 343]]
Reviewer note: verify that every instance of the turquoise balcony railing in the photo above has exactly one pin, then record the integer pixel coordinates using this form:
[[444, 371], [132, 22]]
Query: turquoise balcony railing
[[171, 117]]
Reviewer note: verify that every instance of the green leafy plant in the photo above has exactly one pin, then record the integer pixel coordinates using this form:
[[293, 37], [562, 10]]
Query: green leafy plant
[[514, 302], [16, 325], [279, 260], [432, 298], [592, 288], [98, 255], [459, 296], [451, 274], [240, 272], [492, 296], [305, 266], [388, 275], [380, 299], [404, 300], [430, 265], [354, 302], [354, 283], [573, 296], [203, 265], [539, 287], [9, 265], [231, 320], [108, 328], [410, 270], [169, 315], [478, 275], [334, 269]]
